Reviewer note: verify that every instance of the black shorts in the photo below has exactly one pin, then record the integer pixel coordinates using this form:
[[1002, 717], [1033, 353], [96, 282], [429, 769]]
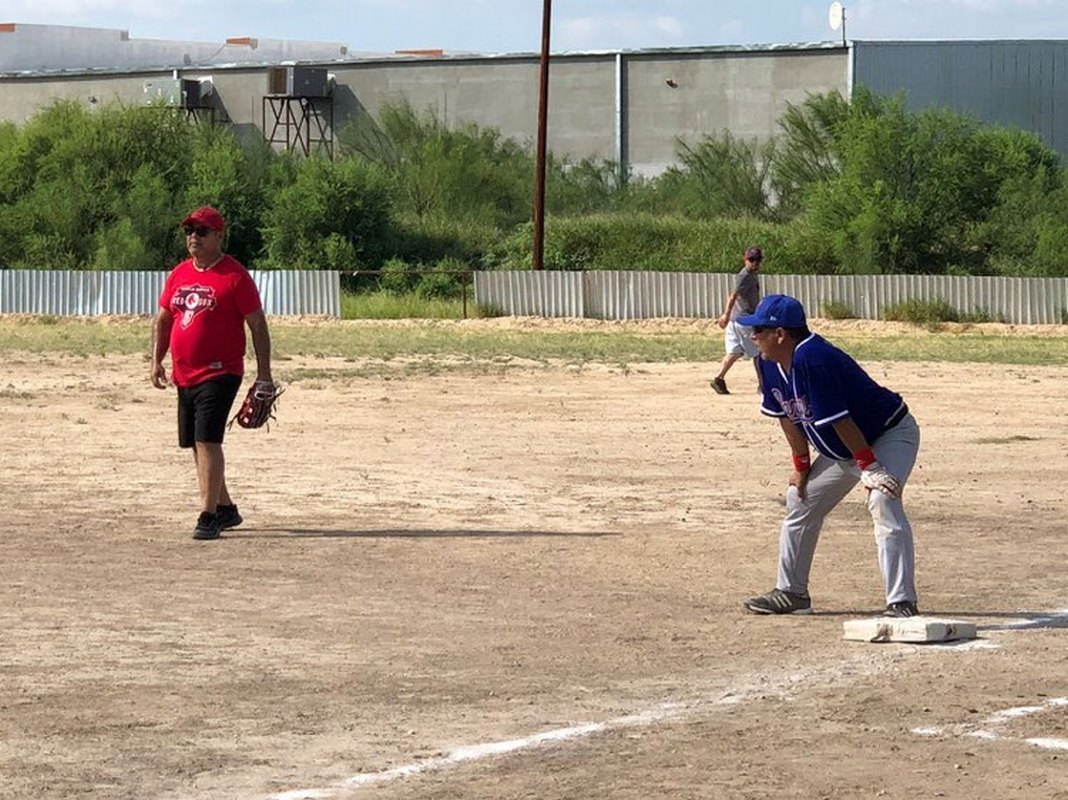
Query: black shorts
[[203, 409]]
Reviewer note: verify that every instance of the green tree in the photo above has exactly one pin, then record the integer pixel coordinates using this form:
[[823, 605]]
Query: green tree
[[148, 212], [721, 176], [470, 173], [1027, 231], [235, 178], [119, 246], [808, 150], [72, 175], [590, 186], [914, 188], [335, 215]]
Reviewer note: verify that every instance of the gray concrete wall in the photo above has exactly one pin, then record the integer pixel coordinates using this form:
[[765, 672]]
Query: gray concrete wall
[[736, 89], [665, 95], [741, 92], [21, 98], [499, 93]]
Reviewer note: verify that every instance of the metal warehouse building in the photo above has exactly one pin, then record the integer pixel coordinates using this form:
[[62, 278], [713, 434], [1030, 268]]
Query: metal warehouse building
[[629, 106]]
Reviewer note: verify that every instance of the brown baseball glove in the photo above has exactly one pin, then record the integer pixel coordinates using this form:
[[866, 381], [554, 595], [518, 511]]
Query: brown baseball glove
[[258, 406]]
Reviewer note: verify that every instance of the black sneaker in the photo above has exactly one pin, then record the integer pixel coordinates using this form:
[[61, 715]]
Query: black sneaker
[[207, 526], [228, 517], [779, 602], [720, 386], [902, 608]]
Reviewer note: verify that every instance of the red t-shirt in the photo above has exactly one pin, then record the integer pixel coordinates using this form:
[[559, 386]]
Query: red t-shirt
[[209, 308]]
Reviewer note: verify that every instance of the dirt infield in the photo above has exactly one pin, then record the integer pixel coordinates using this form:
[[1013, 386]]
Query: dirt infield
[[517, 582]]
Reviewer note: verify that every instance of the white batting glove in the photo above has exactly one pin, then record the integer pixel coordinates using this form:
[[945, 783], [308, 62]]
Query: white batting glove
[[876, 476]]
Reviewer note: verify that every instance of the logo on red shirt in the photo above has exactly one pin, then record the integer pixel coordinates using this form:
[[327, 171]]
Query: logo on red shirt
[[191, 300]]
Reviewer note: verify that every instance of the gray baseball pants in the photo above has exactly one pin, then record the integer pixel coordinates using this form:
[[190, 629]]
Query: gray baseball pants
[[828, 483]]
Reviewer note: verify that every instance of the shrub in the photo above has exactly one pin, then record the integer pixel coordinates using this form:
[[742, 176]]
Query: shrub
[[978, 315], [151, 212], [426, 240], [335, 215], [444, 281], [721, 176], [915, 189], [488, 311], [921, 312], [809, 148], [589, 186], [469, 173], [397, 276], [647, 241], [236, 178], [835, 309], [46, 251], [120, 248]]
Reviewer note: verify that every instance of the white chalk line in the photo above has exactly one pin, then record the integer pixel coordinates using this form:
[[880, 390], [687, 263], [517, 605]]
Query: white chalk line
[[758, 688], [1057, 618], [999, 719], [457, 756], [672, 712]]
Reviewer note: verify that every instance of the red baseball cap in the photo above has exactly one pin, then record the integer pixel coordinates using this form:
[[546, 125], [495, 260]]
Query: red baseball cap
[[206, 216]]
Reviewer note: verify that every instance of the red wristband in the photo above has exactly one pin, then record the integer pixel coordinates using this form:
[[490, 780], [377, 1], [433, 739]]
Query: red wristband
[[865, 458], [802, 463]]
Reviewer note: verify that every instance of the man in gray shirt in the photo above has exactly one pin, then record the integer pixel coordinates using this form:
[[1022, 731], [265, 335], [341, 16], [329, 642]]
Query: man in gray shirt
[[737, 338]]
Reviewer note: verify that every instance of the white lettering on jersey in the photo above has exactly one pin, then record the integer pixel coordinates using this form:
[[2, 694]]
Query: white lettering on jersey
[[191, 300]]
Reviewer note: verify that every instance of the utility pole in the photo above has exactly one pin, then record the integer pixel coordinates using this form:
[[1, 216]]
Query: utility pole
[[539, 155]]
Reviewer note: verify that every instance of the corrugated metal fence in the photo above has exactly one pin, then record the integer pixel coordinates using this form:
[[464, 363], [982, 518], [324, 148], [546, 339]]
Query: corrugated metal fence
[[643, 295], [597, 295], [74, 292]]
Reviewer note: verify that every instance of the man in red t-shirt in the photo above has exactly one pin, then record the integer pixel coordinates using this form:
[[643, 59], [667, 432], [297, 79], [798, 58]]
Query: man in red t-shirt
[[205, 303]]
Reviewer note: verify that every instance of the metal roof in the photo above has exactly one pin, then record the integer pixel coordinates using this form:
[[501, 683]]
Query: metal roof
[[365, 57]]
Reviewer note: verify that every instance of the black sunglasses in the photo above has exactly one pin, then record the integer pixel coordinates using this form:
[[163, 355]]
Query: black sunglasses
[[199, 230]]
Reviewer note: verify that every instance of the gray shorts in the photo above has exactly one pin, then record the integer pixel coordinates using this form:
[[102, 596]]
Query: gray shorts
[[737, 340]]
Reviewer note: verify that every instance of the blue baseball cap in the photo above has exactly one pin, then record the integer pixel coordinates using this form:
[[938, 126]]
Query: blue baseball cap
[[776, 311]]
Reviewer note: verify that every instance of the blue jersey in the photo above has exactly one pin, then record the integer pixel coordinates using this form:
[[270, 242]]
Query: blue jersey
[[823, 386]]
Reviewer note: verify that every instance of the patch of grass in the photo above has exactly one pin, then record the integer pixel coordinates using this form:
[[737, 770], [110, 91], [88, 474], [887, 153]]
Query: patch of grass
[[394, 368], [488, 312], [385, 304], [835, 309], [509, 346], [79, 336], [631, 346], [968, 347], [15, 394]]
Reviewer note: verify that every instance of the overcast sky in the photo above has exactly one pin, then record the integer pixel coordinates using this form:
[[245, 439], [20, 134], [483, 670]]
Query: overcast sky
[[494, 26]]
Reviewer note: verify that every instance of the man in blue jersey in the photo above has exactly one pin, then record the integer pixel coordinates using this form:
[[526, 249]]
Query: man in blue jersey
[[860, 430]]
